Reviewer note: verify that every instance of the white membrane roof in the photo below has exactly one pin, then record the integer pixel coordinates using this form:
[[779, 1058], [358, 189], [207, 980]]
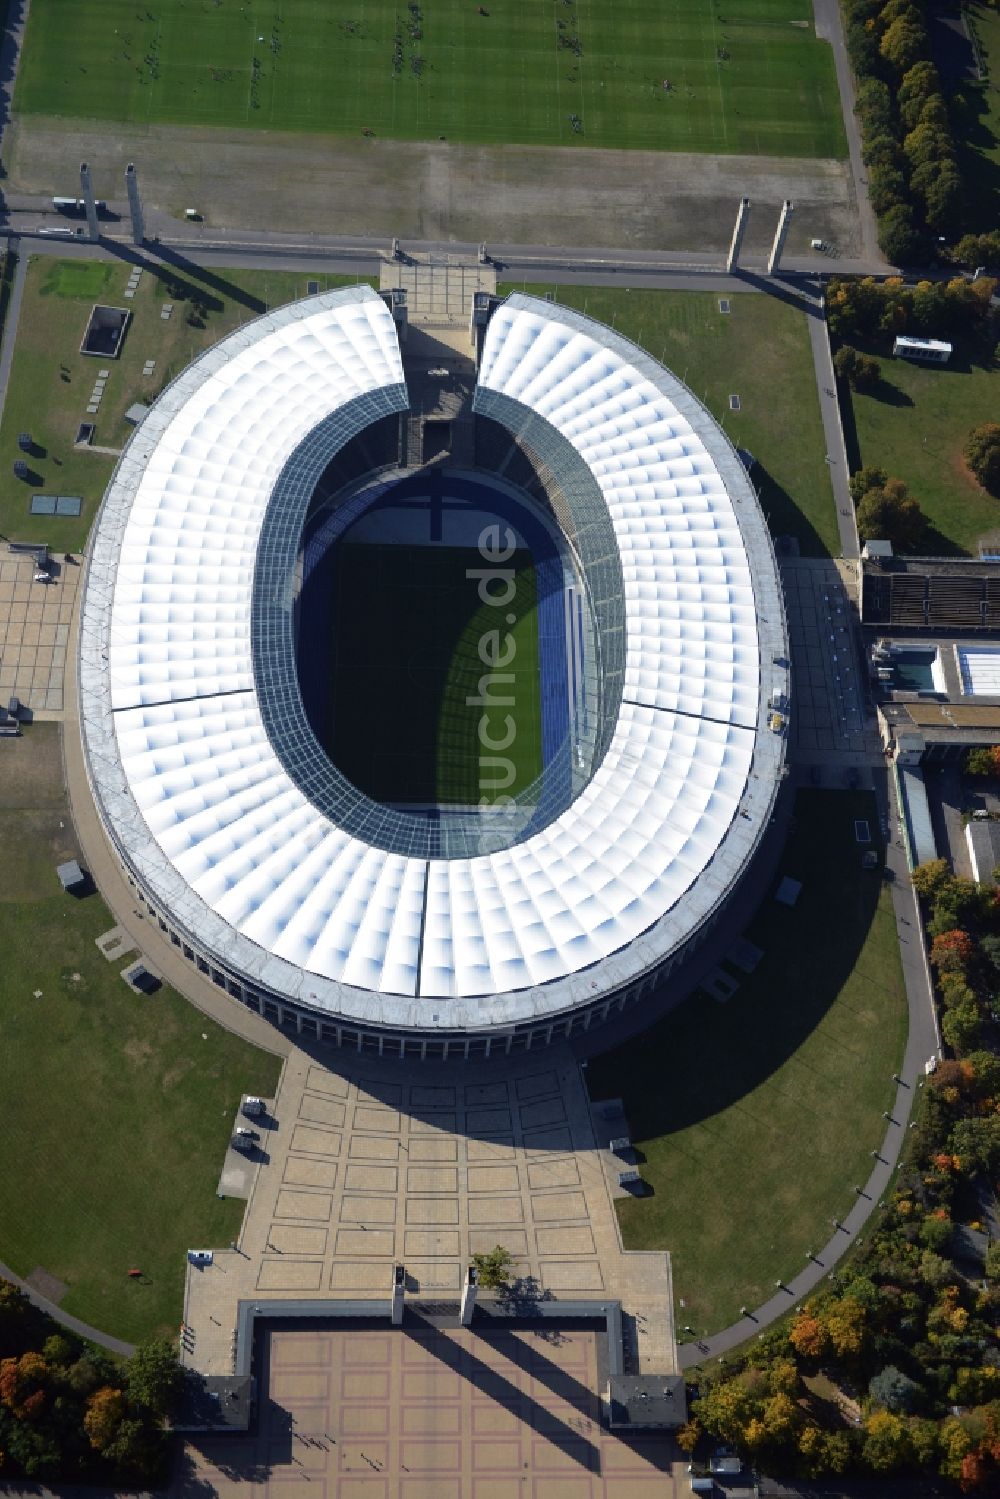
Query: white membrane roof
[[204, 811], [979, 666]]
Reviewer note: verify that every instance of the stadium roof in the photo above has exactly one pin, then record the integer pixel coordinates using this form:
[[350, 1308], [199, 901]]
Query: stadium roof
[[210, 816]]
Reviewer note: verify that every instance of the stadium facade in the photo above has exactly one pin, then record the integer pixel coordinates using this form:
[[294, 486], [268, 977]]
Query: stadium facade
[[451, 932]]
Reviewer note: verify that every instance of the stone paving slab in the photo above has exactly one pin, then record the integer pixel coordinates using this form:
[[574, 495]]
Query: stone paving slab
[[34, 628], [349, 1414], [416, 1168]]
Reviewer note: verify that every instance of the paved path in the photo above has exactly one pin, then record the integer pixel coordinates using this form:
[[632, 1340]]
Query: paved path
[[11, 319], [113, 1345], [922, 1042], [830, 26], [833, 431]]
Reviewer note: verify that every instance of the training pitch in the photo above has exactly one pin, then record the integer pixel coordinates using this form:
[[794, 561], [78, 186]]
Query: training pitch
[[744, 76], [406, 660]]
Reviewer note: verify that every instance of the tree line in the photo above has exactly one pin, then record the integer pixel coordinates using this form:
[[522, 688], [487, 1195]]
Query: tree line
[[69, 1412], [908, 139], [894, 1368]]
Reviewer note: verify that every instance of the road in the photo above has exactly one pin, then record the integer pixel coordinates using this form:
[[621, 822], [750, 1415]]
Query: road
[[830, 26], [833, 431]]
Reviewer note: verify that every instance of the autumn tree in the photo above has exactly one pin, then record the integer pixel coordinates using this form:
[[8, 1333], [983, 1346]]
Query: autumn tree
[[105, 1413], [982, 454], [886, 1442]]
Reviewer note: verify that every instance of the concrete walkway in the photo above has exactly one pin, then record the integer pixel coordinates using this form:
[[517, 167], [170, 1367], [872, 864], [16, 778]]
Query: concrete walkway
[[11, 320], [833, 432], [83, 1329], [830, 27], [922, 1042]]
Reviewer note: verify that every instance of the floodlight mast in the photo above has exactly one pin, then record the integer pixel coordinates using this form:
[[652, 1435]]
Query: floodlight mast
[[89, 203], [742, 218], [134, 205]]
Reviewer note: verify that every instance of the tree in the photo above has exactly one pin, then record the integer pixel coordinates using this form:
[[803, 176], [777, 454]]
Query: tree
[[493, 1269], [984, 761], [993, 1261], [891, 514], [976, 1142], [105, 1413], [982, 454], [962, 1026], [903, 43], [845, 1326], [898, 238], [895, 1390], [886, 1444], [952, 952], [153, 1375], [943, 199], [726, 1411], [886, 187], [928, 877], [873, 107], [808, 1335], [919, 84], [860, 482], [860, 370]]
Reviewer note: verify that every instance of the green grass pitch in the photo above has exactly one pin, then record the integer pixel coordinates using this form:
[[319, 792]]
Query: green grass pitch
[[742, 75], [406, 635]]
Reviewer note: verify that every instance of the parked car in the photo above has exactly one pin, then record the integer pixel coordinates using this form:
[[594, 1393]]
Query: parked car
[[254, 1107], [200, 1256]]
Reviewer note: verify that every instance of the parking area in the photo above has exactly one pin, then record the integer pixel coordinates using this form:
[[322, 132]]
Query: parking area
[[426, 1413], [35, 621]]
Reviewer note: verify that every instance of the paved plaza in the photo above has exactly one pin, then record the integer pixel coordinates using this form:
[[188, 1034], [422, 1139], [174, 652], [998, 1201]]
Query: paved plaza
[[830, 721], [425, 1414], [364, 1169], [35, 621]]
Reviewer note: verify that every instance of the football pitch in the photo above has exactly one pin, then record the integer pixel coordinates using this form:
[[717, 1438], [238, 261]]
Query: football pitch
[[410, 636], [740, 76]]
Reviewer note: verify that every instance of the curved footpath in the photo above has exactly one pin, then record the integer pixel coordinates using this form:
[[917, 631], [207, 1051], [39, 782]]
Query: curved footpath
[[113, 1345], [923, 1041]]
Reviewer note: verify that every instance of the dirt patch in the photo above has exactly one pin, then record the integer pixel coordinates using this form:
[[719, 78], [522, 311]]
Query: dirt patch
[[176, 1073], [433, 190], [138, 1051], [47, 1285]]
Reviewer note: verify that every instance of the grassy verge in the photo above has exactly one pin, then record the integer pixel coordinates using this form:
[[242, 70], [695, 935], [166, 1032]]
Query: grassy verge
[[756, 1118], [915, 427], [51, 381], [979, 145], [759, 351], [117, 1109], [747, 77]]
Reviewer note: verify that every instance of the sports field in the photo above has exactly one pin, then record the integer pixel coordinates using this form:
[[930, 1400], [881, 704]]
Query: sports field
[[409, 637], [747, 76]]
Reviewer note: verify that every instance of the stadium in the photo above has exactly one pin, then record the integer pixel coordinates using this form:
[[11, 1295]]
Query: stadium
[[441, 752]]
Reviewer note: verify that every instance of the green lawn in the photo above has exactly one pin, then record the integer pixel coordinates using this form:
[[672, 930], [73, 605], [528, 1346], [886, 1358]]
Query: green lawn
[[402, 726], [759, 351], [117, 1109], [756, 1118], [746, 76], [51, 381], [915, 427]]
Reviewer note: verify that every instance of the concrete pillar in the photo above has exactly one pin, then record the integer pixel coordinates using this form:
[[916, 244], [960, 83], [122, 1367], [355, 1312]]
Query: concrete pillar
[[780, 235], [398, 1286], [90, 206], [134, 205], [469, 1295], [742, 218]]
